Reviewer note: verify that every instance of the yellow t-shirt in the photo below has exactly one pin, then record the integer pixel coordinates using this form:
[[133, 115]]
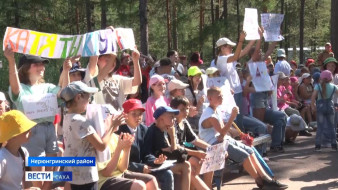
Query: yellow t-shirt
[[101, 165]]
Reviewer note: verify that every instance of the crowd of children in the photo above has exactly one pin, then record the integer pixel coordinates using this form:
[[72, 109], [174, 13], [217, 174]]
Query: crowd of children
[[162, 111]]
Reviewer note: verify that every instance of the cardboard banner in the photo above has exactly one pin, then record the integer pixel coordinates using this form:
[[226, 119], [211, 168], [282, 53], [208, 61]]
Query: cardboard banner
[[42, 106], [250, 25], [260, 76], [228, 98], [271, 23], [215, 158], [63, 46], [97, 115]]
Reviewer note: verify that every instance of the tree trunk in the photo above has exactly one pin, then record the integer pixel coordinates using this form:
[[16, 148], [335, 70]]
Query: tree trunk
[[202, 7], [301, 32], [103, 14], [238, 19], [77, 17], [212, 23], [282, 12], [144, 26], [88, 15], [168, 25], [334, 27], [175, 24], [16, 14], [225, 15]]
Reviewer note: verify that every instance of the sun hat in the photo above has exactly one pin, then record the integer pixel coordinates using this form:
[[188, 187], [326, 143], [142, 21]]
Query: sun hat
[[13, 123], [293, 62], [194, 70], [296, 122], [281, 53], [310, 62], [2, 96], [326, 74], [329, 60], [29, 59], [156, 78], [211, 70], [74, 88], [224, 41], [293, 79], [281, 75], [304, 76], [328, 44], [163, 109], [176, 84], [132, 104]]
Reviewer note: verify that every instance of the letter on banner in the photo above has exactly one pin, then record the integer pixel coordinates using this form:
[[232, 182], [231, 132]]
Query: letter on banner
[[271, 23], [125, 38], [215, 158], [36, 106], [250, 25], [260, 77]]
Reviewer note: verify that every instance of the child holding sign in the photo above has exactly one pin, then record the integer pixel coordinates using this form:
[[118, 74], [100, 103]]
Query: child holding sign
[[27, 83]]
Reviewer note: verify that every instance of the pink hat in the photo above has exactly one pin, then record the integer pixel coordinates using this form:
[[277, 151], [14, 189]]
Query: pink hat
[[293, 79], [155, 78], [326, 75]]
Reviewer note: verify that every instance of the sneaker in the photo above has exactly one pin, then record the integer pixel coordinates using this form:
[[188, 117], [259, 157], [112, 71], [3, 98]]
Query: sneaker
[[277, 149], [273, 184], [334, 147], [317, 148], [305, 133]]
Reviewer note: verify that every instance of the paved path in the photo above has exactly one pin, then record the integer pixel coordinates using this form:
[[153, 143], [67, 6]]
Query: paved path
[[299, 167]]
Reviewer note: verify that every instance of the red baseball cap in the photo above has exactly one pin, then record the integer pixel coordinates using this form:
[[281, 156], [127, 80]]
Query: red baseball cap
[[132, 104]]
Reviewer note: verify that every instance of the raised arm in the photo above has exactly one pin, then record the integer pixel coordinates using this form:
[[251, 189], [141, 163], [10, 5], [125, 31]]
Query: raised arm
[[235, 57], [256, 55], [92, 65], [270, 50], [247, 48], [107, 68], [137, 69], [14, 81]]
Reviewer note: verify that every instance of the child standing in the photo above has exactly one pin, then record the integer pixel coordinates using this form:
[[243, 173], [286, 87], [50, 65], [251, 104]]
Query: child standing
[[16, 130], [80, 137], [325, 120]]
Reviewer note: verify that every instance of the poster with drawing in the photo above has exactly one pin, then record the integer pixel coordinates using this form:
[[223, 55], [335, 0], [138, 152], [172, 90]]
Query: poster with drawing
[[260, 76], [40, 106], [98, 114], [215, 158], [271, 23], [250, 25], [125, 38]]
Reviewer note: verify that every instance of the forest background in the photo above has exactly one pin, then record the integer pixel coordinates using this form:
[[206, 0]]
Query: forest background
[[183, 25]]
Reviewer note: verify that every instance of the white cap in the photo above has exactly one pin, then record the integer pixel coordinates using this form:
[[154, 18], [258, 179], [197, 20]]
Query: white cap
[[224, 41], [2, 96], [281, 53], [211, 70], [176, 84], [296, 123]]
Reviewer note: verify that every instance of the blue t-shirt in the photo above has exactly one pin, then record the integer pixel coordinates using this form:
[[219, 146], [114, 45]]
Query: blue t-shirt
[[329, 89]]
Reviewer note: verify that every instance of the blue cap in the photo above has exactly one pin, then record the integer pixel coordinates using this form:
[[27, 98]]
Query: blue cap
[[316, 76], [75, 67], [161, 110]]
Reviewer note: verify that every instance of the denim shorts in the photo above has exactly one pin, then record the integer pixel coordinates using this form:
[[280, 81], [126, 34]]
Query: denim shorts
[[238, 151], [42, 140], [259, 100]]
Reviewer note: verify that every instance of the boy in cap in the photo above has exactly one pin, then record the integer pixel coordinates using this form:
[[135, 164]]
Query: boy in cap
[[294, 124], [15, 129], [160, 139], [282, 65], [80, 137]]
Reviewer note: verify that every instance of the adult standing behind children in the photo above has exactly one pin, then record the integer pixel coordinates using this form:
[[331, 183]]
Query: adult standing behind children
[[226, 63], [282, 65], [325, 54], [27, 81]]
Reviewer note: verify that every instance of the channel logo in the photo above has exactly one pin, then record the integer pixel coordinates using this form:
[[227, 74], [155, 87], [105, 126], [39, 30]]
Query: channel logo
[[48, 176]]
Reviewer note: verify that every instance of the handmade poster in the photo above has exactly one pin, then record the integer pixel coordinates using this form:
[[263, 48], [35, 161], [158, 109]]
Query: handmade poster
[[274, 80], [98, 114], [125, 38], [40, 106], [260, 76], [215, 158], [60, 46], [271, 23], [250, 25], [228, 98]]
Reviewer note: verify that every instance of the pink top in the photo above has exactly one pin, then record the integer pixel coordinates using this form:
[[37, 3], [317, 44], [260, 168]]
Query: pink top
[[151, 105], [281, 95]]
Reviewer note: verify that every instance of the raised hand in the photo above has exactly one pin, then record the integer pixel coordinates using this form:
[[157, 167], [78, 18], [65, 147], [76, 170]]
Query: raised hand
[[9, 54], [118, 120], [242, 36], [135, 54]]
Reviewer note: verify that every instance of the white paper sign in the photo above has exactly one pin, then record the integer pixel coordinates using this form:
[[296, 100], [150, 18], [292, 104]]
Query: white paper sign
[[215, 158], [36, 106], [271, 23], [228, 98], [250, 25], [260, 76], [274, 80], [125, 38], [96, 114]]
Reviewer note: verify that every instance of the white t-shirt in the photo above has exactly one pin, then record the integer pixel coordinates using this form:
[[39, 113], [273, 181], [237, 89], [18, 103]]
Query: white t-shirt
[[75, 129], [209, 134], [282, 66], [229, 70], [114, 91], [11, 170]]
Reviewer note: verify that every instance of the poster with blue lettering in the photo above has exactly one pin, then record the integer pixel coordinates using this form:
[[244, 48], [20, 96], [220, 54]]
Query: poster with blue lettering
[[271, 23], [250, 25], [260, 76], [215, 158]]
